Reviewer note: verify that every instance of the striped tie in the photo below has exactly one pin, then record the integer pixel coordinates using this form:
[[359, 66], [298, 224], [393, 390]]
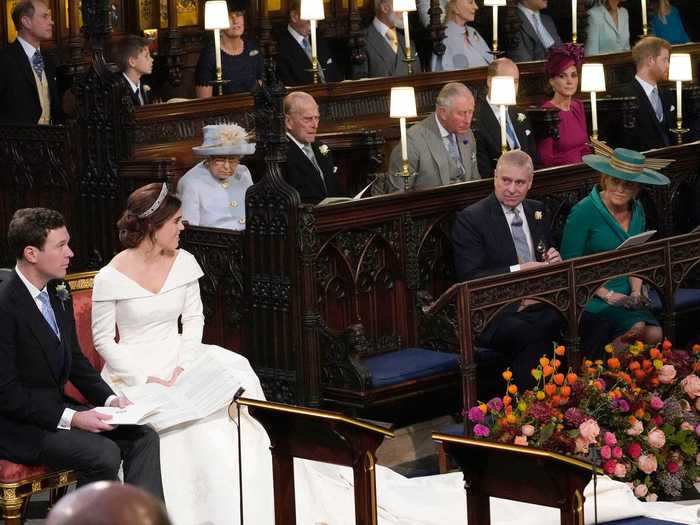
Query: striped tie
[[519, 239]]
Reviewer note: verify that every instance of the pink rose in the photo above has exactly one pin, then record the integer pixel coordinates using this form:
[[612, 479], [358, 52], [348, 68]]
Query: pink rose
[[667, 374], [636, 428], [581, 445], [605, 452], [634, 450], [609, 466], [686, 426], [656, 438], [527, 430], [589, 431], [691, 385], [521, 440], [656, 403], [616, 452], [651, 498], [610, 439], [620, 470], [657, 420], [641, 490], [647, 464]]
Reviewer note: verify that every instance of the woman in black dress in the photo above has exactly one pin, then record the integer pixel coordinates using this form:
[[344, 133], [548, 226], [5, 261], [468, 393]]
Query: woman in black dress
[[241, 60]]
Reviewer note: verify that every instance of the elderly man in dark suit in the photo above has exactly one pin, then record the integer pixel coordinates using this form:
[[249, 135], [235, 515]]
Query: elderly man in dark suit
[[294, 52], [506, 232], [310, 167], [655, 113], [39, 352], [441, 147], [28, 93], [537, 32], [386, 47], [488, 129]]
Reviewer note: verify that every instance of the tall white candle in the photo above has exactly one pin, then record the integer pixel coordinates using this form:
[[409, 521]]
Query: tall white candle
[[404, 145], [644, 13], [573, 17], [217, 49], [504, 141], [594, 113], [495, 25], [679, 99], [313, 38], [406, 33]]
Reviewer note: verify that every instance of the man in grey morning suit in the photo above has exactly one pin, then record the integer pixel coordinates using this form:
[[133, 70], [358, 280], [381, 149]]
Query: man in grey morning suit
[[441, 148], [537, 32], [386, 47]]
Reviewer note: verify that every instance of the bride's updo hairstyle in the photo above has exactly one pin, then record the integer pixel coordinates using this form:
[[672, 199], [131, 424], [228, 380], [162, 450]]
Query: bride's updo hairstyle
[[147, 209]]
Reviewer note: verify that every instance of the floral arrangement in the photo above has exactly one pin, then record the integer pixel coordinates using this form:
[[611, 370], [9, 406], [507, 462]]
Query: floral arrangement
[[640, 410]]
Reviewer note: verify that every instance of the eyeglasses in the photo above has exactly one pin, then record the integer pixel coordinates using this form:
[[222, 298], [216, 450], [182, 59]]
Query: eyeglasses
[[220, 162]]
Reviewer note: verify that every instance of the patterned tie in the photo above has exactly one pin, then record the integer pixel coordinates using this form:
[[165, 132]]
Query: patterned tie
[[453, 151], [656, 104], [393, 39], [308, 150], [48, 313], [307, 46], [38, 64], [519, 239], [545, 37], [513, 141]]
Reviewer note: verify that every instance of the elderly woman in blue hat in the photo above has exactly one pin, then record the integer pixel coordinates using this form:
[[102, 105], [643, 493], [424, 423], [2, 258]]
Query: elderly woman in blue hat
[[213, 191], [601, 222]]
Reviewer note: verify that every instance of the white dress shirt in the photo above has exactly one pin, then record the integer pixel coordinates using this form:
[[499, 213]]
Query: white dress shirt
[[382, 28], [510, 215], [134, 87], [647, 87], [67, 416]]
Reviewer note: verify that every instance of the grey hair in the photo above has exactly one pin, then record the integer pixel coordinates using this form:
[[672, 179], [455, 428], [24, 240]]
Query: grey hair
[[515, 159], [451, 91]]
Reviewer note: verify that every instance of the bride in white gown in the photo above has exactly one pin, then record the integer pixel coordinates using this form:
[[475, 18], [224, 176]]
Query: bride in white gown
[[137, 300]]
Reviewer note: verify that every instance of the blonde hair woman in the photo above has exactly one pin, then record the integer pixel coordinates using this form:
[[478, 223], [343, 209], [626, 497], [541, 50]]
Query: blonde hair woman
[[464, 46]]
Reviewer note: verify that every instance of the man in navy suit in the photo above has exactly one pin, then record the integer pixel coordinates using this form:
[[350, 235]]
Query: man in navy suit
[[655, 114], [39, 352], [310, 167], [506, 232], [28, 93]]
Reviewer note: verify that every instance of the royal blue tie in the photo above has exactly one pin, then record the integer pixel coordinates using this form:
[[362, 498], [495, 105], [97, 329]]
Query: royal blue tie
[[48, 313]]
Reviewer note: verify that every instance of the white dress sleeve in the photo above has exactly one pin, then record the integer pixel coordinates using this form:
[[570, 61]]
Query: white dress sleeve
[[192, 324], [104, 330]]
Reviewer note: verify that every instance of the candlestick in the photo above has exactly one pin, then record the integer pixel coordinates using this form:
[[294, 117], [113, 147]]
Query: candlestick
[[404, 145], [495, 28], [573, 21], [645, 27], [679, 100], [594, 115], [407, 40], [504, 140], [313, 38], [217, 52]]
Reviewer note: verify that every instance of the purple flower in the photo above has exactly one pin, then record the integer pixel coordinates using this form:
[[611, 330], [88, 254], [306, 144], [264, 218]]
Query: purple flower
[[574, 416], [476, 415], [495, 404], [481, 430], [656, 403], [621, 405]]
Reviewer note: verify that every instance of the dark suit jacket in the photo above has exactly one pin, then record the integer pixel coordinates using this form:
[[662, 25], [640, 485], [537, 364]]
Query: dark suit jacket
[[19, 97], [649, 133], [482, 242], [35, 368], [134, 99], [488, 137], [529, 45], [294, 66], [304, 177]]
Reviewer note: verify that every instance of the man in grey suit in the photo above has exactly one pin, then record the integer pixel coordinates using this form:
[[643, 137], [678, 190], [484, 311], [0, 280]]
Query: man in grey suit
[[385, 46], [441, 148], [537, 32]]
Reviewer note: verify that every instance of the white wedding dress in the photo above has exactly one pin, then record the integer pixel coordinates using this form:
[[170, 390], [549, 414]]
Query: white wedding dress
[[199, 458]]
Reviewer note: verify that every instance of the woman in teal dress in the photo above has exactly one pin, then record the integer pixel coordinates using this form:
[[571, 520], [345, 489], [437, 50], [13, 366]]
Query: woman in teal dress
[[601, 222]]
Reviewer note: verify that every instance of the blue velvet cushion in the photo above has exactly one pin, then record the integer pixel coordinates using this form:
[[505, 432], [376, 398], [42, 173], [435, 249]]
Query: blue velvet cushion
[[396, 367], [685, 298]]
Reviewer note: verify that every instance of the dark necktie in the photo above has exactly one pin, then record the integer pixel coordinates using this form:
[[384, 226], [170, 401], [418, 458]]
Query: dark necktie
[[38, 64]]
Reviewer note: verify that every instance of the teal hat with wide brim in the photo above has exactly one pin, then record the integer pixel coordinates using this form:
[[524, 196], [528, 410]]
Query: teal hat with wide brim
[[629, 165]]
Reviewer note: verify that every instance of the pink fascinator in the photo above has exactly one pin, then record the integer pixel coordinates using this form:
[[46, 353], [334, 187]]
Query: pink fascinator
[[561, 57]]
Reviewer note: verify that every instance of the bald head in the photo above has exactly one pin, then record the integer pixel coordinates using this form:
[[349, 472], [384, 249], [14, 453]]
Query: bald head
[[503, 67], [108, 503], [301, 116]]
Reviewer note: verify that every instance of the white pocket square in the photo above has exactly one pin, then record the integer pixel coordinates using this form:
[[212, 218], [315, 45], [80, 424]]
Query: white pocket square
[[335, 168], [527, 132], [673, 108]]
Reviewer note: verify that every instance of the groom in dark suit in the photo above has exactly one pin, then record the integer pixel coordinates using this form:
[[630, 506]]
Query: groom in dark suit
[[505, 232], [310, 167], [39, 352]]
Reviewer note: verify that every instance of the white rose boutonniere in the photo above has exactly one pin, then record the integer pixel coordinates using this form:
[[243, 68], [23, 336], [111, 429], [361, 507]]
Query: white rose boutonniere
[[538, 215], [253, 53], [521, 117], [146, 88], [62, 293], [323, 149]]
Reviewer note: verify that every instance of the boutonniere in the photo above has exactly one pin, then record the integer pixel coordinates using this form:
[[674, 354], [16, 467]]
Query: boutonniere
[[527, 132], [323, 149], [521, 117], [253, 53], [146, 88], [62, 293], [538, 215], [672, 109]]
